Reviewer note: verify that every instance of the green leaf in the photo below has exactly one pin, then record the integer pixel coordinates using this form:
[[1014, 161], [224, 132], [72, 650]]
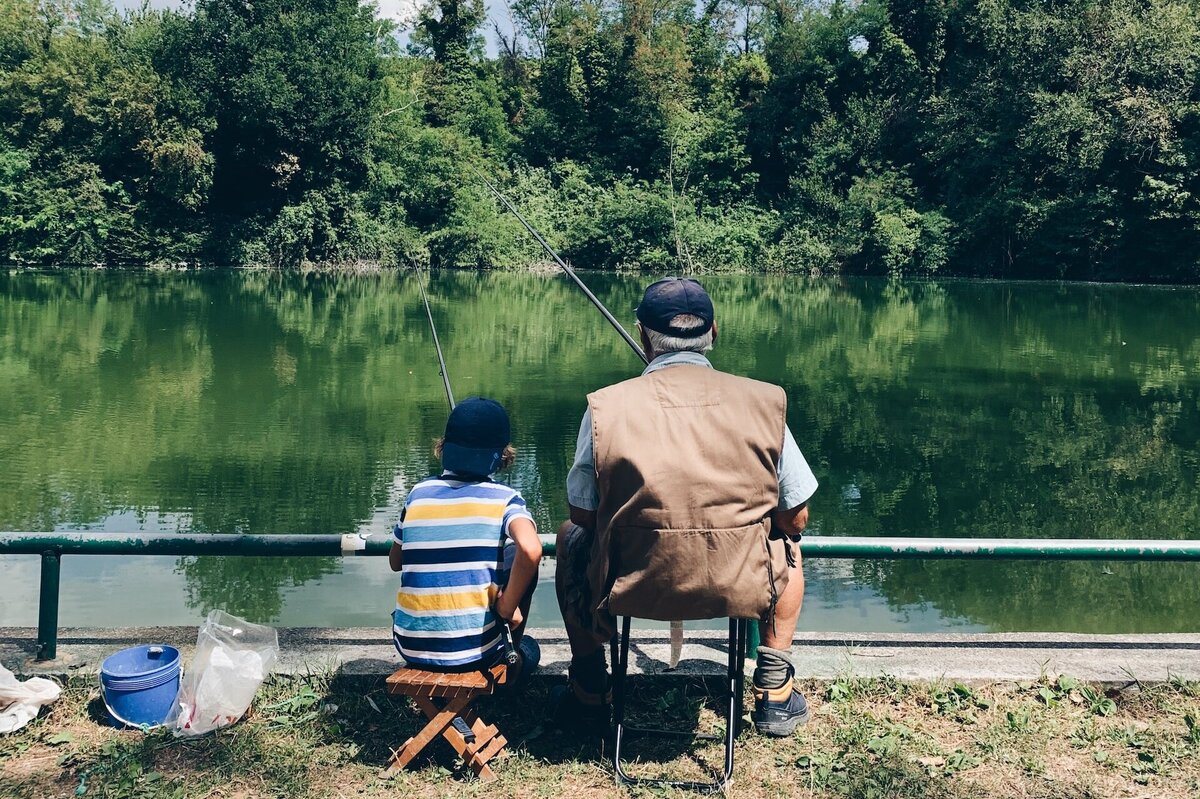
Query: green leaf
[[60, 738], [883, 744]]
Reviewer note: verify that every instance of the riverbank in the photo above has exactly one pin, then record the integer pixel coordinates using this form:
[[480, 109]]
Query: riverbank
[[538, 266], [1113, 661], [326, 735]]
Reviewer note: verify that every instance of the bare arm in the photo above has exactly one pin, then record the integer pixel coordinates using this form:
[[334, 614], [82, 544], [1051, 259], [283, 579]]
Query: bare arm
[[524, 569], [394, 557], [792, 521]]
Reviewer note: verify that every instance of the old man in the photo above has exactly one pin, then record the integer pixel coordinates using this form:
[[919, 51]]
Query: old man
[[687, 497]]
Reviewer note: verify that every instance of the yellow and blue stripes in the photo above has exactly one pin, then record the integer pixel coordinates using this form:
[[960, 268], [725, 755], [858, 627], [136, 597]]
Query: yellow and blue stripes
[[452, 534]]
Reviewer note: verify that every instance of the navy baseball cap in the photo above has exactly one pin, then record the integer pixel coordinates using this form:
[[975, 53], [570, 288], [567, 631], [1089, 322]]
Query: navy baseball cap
[[671, 296], [477, 432]]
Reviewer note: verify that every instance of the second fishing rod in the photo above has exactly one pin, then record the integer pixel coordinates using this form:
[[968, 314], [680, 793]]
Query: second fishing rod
[[566, 268], [437, 345]]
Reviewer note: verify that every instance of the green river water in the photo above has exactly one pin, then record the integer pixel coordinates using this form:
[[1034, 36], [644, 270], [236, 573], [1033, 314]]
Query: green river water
[[265, 402]]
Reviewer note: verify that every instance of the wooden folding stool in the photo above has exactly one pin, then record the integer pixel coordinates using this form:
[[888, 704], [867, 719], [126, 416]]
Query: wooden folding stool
[[458, 693]]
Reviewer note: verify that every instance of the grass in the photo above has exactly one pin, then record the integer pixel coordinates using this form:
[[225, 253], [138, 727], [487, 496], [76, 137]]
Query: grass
[[328, 736]]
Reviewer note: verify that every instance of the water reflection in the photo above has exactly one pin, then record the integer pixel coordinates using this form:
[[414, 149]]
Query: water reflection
[[266, 402]]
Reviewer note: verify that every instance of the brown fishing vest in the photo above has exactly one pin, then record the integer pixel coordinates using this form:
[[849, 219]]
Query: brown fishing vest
[[686, 471]]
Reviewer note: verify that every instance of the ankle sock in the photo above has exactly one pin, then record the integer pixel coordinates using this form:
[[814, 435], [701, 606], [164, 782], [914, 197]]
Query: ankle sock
[[773, 669]]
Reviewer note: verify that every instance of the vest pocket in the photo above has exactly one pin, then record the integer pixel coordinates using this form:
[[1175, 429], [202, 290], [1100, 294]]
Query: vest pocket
[[696, 574]]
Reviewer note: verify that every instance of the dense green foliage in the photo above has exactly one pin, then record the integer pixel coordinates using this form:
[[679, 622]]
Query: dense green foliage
[[989, 137]]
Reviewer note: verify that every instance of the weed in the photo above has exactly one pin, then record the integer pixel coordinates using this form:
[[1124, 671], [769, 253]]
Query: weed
[[838, 691], [1193, 728], [872, 776], [1085, 734], [676, 703], [1145, 764], [1129, 736], [957, 698], [1069, 689], [1097, 702], [846, 688], [1018, 719], [884, 744], [1054, 693], [959, 760], [1183, 685], [1048, 695], [121, 771], [1032, 765]]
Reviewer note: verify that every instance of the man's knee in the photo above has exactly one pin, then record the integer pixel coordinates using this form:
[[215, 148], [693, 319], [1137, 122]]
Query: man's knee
[[564, 530]]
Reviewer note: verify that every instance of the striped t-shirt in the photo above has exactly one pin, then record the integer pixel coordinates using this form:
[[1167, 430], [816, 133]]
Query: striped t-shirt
[[452, 534]]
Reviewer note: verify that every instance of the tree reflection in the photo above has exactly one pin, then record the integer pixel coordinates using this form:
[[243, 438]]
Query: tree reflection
[[285, 402]]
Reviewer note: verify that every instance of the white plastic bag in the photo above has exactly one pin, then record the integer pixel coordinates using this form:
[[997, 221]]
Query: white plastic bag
[[232, 659], [21, 701]]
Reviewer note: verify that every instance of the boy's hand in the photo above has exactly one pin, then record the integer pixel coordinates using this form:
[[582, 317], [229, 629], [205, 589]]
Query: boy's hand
[[512, 616]]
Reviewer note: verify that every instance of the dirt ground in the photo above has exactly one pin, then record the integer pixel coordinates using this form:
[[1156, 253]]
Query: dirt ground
[[328, 736]]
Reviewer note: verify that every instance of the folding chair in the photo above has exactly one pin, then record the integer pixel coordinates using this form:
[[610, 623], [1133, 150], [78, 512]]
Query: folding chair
[[736, 678], [448, 702]]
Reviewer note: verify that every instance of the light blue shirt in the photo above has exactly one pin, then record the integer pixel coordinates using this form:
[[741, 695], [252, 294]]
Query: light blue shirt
[[796, 481]]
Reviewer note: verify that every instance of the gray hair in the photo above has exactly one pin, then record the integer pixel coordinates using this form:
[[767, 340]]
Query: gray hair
[[665, 342]]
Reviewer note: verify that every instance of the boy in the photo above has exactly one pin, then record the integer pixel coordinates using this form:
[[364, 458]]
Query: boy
[[467, 551]]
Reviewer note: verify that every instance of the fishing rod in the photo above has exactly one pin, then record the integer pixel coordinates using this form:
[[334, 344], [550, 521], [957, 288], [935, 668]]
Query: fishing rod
[[438, 346], [612, 320], [676, 626]]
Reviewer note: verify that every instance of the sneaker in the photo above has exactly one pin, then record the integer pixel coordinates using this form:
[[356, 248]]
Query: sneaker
[[531, 655], [779, 711], [574, 709]]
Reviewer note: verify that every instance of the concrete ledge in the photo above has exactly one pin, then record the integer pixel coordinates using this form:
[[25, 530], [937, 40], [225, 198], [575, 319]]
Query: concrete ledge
[[1114, 660]]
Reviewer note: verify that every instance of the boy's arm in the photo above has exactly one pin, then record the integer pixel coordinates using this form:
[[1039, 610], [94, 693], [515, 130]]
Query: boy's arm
[[395, 559], [524, 569]]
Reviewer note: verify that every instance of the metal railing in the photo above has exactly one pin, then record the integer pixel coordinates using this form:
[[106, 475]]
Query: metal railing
[[53, 546]]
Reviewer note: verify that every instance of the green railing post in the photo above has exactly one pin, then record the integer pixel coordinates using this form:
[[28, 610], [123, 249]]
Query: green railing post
[[47, 643]]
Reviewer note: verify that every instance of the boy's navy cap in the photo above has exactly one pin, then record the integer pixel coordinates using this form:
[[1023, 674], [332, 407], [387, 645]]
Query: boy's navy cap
[[671, 296], [476, 434]]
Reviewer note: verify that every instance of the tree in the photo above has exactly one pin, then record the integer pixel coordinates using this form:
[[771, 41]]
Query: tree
[[291, 89]]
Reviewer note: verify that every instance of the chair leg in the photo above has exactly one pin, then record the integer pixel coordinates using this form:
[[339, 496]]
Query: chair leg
[[439, 720], [737, 687], [619, 669], [735, 682], [488, 743]]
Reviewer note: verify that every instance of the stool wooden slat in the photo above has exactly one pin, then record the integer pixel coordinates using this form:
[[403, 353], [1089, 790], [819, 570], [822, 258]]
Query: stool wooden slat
[[455, 696]]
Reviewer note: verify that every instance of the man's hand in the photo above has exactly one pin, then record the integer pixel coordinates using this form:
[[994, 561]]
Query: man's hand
[[792, 521], [510, 612]]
